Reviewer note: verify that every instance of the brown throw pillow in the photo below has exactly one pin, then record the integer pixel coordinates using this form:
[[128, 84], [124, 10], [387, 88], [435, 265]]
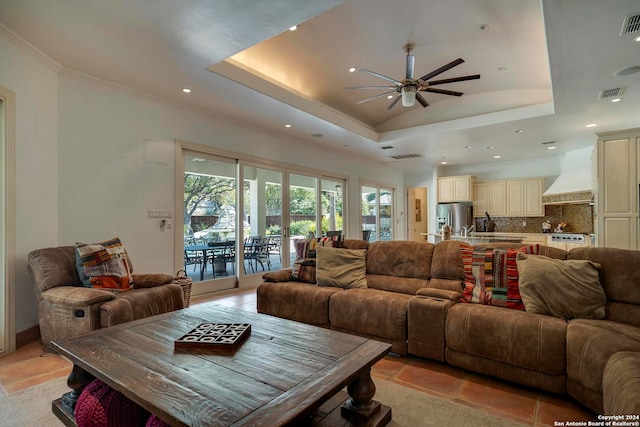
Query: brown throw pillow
[[568, 289], [342, 268]]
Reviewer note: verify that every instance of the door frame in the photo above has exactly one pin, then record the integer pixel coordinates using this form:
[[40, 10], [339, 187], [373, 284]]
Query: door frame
[[8, 222]]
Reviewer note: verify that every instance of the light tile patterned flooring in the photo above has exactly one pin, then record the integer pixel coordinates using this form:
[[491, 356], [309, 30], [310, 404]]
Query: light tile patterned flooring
[[29, 366]]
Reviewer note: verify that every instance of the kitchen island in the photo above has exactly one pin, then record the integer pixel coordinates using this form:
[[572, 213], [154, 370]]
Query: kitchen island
[[487, 237]]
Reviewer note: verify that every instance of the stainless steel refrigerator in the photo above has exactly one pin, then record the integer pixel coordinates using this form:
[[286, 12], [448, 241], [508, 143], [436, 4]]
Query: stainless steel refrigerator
[[455, 215]]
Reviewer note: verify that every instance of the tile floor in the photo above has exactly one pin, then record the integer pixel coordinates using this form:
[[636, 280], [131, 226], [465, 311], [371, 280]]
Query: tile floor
[[29, 366]]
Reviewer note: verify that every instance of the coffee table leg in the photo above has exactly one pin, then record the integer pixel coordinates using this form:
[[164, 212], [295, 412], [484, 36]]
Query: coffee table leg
[[360, 405], [78, 379]]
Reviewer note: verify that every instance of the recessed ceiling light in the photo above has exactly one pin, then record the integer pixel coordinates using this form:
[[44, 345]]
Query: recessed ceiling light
[[518, 131], [352, 69], [295, 27], [490, 147], [497, 157], [390, 96], [443, 163], [482, 27], [616, 100], [287, 126], [637, 39], [317, 135], [466, 147], [627, 71], [553, 147], [186, 90], [591, 125]]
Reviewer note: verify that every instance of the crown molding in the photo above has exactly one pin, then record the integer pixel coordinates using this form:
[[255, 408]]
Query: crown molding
[[15, 39]]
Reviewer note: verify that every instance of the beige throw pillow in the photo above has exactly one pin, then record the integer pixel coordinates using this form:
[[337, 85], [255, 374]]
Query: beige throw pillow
[[342, 268], [568, 289]]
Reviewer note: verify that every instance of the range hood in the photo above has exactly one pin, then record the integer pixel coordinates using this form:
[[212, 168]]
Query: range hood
[[574, 184]]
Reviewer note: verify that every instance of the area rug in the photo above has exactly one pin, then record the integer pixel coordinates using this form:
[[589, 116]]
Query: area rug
[[410, 408]]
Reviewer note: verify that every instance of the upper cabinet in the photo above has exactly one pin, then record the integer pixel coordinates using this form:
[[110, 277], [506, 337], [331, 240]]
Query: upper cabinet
[[521, 197], [455, 189]]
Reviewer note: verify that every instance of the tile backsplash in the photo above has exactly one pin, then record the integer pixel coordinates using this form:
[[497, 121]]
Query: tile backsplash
[[579, 219]]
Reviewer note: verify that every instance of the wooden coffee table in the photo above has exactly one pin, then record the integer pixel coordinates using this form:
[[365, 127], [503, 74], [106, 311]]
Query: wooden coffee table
[[284, 373]]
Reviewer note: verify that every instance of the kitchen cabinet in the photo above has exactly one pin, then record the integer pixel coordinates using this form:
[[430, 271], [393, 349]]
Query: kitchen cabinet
[[524, 197], [455, 189], [509, 198], [616, 212]]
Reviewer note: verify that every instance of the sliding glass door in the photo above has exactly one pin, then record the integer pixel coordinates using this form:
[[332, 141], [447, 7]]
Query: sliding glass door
[[210, 227], [377, 212], [242, 218]]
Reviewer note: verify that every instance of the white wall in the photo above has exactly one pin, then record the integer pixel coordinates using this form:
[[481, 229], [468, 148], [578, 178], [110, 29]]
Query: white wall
[[106, 187], [36, 87]]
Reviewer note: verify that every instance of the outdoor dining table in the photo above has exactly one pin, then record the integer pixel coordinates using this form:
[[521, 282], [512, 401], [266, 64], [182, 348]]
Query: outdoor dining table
[[209, 251]]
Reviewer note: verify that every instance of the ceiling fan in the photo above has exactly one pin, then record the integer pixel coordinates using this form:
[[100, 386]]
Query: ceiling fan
[[409, 88]]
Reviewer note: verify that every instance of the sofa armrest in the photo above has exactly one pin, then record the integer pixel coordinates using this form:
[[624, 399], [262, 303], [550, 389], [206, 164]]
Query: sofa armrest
[[150, 280], [76, 296], [439, 293], [278, 276]]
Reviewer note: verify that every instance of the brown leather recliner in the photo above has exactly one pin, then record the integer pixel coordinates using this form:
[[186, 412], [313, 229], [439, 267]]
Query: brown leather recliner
[[66, 308]]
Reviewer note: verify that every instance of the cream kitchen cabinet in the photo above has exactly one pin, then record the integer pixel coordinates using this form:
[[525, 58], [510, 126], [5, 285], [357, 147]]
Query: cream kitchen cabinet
[[455, 189], [509, 198], [524, 197], [490, 197], [618, 158]]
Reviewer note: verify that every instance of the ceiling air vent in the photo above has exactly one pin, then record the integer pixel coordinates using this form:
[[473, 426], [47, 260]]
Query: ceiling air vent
[[631, 24], [405, 156], [386, 147], [612, 93]]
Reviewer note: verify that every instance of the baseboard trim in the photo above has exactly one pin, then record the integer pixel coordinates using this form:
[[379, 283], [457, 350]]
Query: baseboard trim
[[27, 336]]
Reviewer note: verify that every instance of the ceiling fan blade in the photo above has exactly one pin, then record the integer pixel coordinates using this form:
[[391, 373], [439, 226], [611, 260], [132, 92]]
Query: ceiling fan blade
[[411, 61], [371, 73], [370, 87], [394, 102], [375, 97], [421, 100], [454, 79], [443, 91], [442, 69]]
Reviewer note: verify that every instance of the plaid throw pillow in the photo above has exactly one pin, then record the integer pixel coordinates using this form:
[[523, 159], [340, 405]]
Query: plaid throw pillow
[[105, 264], [491, 276]]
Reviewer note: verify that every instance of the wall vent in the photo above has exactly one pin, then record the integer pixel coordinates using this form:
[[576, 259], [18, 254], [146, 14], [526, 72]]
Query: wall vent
[[386, 147], [612, 93], [631, 24], [405, 156]]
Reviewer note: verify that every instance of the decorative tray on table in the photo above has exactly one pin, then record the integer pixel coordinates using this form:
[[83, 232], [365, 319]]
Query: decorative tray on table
[[218, 336]]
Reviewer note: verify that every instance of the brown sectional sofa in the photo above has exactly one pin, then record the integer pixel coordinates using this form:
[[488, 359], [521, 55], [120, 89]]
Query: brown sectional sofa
[[412, 302]]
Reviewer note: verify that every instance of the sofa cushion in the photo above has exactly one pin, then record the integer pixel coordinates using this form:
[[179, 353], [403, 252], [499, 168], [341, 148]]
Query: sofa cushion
[[590, 344], [618, 269], [400, 259], [140, 303], [372, 313], [491, 276], [342, 268], [621, 384], [567, 289], [519, 342], [302, 302]]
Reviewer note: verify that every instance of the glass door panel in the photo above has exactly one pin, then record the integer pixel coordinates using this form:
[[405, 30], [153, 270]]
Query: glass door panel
[[377, 213], [332, 207], [209, 222], [369, 213], [303, 210], [263, 220]]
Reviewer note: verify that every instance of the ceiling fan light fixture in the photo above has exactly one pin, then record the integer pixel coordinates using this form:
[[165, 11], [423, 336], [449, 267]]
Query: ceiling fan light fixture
[[408, 96]]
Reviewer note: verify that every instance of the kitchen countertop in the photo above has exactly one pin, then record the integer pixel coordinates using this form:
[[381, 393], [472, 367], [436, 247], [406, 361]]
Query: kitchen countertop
[[504, 237]]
